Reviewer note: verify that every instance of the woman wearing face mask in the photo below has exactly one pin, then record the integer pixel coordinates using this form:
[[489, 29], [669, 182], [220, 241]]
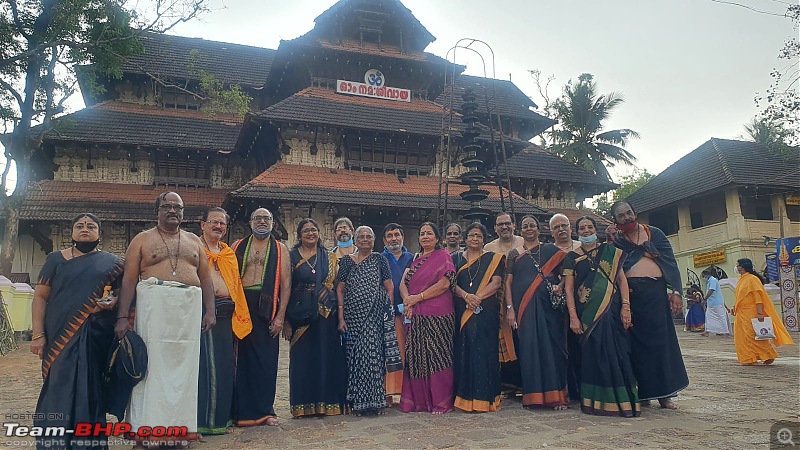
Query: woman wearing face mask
[[600, 313], [751, 303], [73, 328]]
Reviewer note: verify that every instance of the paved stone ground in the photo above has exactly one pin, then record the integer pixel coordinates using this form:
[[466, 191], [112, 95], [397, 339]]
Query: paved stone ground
[[725, 406]]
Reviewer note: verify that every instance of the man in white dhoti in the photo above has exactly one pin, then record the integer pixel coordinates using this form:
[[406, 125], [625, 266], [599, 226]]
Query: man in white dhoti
[[166, 268], [717, 320]]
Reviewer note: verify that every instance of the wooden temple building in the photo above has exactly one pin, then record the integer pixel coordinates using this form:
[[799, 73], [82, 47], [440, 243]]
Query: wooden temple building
[[346, 120]]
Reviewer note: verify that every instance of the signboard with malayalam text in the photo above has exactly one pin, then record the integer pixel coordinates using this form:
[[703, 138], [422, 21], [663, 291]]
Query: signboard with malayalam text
[[772, 266], [365, 90], [708, 258], [788, 250], [374, 86]]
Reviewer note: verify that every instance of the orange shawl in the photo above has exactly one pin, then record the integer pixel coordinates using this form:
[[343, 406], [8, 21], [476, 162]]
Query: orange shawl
[[229, 269]]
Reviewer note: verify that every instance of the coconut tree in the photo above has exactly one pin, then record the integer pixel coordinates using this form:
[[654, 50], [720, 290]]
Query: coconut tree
[[580, 137]]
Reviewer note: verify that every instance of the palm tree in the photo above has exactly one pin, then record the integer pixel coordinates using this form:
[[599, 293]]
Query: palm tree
[[579, 137], [763, 131], [769, 133]]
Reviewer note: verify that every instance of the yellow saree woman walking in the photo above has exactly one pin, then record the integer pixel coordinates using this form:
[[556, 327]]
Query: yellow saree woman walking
[[752, 302]]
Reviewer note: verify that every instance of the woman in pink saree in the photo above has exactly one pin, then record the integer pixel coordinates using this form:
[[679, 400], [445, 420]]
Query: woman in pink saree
[[428, 302]]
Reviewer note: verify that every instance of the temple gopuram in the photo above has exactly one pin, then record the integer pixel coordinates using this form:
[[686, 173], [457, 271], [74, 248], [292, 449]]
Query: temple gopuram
[[345, 120]]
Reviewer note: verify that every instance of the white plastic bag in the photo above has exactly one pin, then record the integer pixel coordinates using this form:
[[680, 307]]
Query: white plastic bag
[[764, 330]]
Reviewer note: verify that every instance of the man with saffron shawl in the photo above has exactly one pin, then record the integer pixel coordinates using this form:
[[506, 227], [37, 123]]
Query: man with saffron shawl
[[599, 312], [752, 302], [531, 272], [428, 302], [477, 311], [266, 277], [165, 269], [651, 269], [73, 329], [317, 367], [217, 365]]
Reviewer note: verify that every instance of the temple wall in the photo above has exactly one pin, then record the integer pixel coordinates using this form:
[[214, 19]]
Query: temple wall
[[300, 154], [114, 166], [567, 201]]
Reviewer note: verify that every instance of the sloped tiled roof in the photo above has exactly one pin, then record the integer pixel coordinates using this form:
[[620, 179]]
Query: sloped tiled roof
[[505, 99], [718, 163], [115, 122], [319, 105], [535, 163], [323, 106], [394, 7], [366, 48], [63, 200], [511, 100], [292, 182], [168, 56]]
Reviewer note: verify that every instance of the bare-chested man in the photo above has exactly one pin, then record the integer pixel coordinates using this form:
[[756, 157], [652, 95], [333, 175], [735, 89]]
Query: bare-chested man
[[651, 269], [506, 241], [343, 227], [266, 274], [510, 376], [561, 230], [165, 267], [233, 318]]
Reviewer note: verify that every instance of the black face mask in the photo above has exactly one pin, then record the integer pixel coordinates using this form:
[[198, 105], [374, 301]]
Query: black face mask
[[86, 247]]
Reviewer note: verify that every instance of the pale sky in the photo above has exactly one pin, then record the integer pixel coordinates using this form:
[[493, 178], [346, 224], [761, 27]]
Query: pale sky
[[688, 69]]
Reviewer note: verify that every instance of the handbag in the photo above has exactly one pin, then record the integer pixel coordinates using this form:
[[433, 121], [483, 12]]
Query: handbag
[[764, 330], [302, 309], [557, 301]]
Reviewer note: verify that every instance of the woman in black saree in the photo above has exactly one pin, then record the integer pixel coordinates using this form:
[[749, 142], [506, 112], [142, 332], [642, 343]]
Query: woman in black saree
[[317, 368], [600, 313], [73, 329], [476, 358], [531, 272]]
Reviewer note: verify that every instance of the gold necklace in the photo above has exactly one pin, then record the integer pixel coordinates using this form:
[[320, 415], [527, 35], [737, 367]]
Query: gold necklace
[[530, 252], [169, 251], [313, 270], [469, 271]]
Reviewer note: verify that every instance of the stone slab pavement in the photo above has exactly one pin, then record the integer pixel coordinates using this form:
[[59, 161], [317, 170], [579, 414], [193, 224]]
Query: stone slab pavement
[[725, 406]]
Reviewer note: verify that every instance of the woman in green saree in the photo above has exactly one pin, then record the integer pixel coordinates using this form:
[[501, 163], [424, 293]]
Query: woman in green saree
[[599, 312]]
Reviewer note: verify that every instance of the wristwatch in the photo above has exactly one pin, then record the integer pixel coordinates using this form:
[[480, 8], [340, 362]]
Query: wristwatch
[[508, 306]]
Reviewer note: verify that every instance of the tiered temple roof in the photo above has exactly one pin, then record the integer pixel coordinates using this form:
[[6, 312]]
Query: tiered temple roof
[[293, 182]]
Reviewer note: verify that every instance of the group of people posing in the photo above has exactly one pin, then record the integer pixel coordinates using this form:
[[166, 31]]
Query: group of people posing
[[445, 327]]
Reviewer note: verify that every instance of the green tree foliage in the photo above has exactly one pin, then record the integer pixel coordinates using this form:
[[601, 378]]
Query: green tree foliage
[[42, 42], [580, 136], [217, 98], [629, 184], [770, 133], [780, 105]]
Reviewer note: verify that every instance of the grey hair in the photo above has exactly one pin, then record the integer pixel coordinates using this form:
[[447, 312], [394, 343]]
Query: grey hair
[[364, 227], [265, 209], [557, 216]]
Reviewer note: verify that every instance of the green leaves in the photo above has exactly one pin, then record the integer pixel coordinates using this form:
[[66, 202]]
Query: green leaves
[[580, 137]]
